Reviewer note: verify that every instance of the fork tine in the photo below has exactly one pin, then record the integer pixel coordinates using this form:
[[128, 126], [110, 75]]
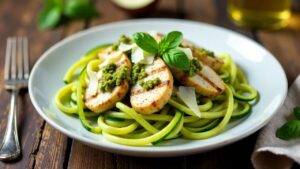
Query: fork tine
[[25, 58], [20, 57], [13, 59], [7, 59]]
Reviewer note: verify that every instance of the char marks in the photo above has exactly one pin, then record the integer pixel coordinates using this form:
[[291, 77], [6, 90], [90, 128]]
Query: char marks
[[210, 82]]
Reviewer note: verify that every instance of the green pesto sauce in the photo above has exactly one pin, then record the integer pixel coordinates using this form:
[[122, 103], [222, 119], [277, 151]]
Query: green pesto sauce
[[150, 84], [206, 52], [113, 77], [195, 67], [138, 72], [123, 39]]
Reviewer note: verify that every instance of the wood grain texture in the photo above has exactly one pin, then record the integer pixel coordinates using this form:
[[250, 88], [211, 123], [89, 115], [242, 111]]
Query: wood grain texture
[[45, 147], [82, 156], [52, 148], [42, 146], [22, 22], [109, 13]]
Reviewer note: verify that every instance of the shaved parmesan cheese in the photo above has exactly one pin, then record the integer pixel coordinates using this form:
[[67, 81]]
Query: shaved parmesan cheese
[[93, 84], [138, 55], [188, 96], [125, 47], [187, 51], [148, 59]]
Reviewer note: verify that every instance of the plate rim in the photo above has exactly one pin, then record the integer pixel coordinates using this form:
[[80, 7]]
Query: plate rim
[[128, 150]]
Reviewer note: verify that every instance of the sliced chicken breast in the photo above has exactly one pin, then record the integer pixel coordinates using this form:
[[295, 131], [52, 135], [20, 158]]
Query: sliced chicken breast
[[151, 101], [206, 82], [213, 62], [103, 101]]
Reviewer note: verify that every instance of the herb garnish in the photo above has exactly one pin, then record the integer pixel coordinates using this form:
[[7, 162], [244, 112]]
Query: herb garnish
[[297, 112], [291, 129], [167, 48], [57, 10]]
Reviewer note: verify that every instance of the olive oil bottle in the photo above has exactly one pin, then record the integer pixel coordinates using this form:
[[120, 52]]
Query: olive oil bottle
[[266, 14]]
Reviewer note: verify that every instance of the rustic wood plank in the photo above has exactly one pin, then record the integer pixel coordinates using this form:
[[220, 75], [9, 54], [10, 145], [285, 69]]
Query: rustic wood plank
[[127, 162], [108, 13], [44, 147], [22, 21], [51, 150], [236, 155], [203, 11], [83, 156]]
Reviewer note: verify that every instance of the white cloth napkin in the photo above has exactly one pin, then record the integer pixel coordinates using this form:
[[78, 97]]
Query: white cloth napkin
[[271, 152]]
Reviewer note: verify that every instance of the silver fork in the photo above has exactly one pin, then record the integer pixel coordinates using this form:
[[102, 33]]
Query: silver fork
[[15, 77]]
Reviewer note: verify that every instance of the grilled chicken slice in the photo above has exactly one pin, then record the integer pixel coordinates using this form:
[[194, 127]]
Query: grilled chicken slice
[[206, 82], [151, 101], [102, 101], [213, 62]]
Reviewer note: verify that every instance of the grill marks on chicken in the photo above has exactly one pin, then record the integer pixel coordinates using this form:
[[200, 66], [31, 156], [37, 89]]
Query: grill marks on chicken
[[151, 101], [103, 101], [207, 82]]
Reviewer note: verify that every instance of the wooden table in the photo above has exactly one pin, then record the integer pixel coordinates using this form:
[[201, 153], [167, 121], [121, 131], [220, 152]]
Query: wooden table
[[44, 147]]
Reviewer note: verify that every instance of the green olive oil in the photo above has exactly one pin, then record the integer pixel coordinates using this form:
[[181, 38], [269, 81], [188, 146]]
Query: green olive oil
[[265, 14]]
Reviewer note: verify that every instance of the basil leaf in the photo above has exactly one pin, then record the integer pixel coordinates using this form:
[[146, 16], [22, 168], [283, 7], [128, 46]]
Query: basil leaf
[[177, 58], [146, 42], [289, 130], [80, 9], [297, 112], [49, 17], [170, 41], [56, 3]]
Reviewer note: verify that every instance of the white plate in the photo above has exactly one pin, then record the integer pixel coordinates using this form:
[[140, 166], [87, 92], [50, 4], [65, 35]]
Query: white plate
[[262, 69]]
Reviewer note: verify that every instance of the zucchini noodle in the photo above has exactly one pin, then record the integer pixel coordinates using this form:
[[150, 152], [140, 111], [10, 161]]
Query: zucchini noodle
[[123, 125]]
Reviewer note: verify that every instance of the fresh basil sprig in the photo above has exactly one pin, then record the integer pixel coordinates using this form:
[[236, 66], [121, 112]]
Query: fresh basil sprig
[[172, 40], [146, 42], [177, 58], [291, 129], [57, 10], [297, 112], [166, 48]]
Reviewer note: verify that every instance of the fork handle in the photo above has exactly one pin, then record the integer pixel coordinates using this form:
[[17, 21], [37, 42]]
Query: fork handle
[[10, 148]]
